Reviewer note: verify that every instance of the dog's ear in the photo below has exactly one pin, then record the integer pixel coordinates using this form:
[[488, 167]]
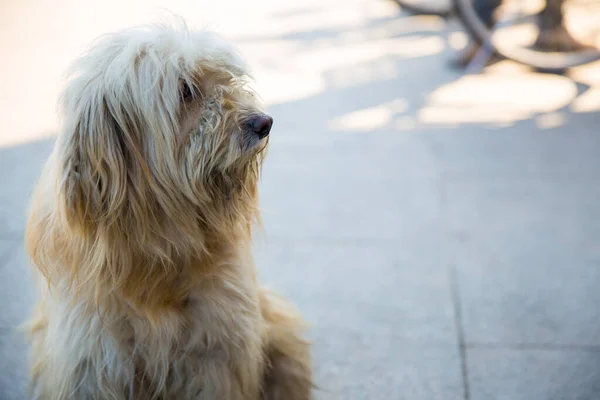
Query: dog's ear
[[97, 151]]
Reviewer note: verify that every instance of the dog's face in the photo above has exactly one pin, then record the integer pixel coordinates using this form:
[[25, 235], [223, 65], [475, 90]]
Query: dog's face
[[159, 121]]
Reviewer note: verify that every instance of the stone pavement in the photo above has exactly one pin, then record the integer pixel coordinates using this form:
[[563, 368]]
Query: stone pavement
[[440, 232]]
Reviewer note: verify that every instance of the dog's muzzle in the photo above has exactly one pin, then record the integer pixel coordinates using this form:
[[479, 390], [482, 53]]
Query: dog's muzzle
[[261, 125]]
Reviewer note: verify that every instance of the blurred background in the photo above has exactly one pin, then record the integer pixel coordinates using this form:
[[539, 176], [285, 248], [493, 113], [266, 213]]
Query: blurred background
[[432, 211]]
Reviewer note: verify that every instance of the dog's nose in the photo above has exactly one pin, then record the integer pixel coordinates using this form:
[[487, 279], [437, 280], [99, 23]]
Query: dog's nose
[[261, 125]]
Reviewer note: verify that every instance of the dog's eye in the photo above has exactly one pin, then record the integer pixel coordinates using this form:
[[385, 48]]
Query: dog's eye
[[187, 92]]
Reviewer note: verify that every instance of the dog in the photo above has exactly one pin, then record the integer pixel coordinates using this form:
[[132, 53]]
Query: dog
[[140, 232]]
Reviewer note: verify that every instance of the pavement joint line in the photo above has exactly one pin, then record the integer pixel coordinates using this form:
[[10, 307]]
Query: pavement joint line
[[453, 282], [532, 346], [460, 333]]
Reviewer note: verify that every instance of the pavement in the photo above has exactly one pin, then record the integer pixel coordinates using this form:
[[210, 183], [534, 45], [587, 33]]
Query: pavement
[[440, 231]]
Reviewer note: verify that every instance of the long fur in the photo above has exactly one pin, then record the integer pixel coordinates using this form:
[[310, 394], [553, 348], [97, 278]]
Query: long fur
[[140, 227]]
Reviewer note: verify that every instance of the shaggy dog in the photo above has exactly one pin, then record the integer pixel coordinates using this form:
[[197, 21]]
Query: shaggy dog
[[141, 228]]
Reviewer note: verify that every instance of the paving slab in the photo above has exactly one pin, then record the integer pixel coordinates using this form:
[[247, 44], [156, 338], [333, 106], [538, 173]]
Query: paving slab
[[5, 247], [351, 187], [16, 286], [368, 289], [362, 366], [528, 259], [520, 150], [13, 365], [526, 374]]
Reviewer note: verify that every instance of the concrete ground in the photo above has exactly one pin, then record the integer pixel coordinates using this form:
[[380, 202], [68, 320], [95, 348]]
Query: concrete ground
[[440, 231]]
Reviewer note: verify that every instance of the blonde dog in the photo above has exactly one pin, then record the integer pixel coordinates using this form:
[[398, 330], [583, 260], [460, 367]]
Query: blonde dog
[[141, 228]]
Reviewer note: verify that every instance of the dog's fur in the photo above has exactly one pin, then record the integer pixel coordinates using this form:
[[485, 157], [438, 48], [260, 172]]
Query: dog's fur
[[141, 228]]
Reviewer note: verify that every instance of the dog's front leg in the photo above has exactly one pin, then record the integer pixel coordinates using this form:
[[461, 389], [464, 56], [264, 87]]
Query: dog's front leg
[[288, 373]]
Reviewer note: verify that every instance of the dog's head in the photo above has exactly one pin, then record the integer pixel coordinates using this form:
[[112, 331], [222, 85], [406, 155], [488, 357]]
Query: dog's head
[[160, 132]]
